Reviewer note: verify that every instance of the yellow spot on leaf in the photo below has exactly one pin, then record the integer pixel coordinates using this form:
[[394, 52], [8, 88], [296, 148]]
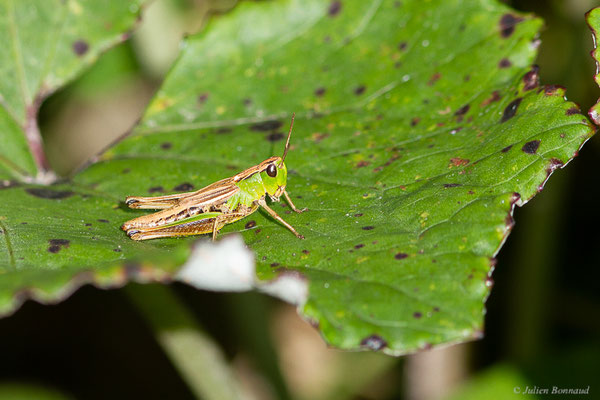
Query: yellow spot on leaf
[[221, 110], [361, 260], [75, 7]]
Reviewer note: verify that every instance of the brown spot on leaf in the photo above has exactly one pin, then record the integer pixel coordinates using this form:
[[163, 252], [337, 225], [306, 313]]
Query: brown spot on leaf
[[250, 224], [417, 314], [373, 342], [55, 245], [531, 79], [507, 148], [415, 121], [362, 164], [166, 145], [457, 162], [275, 264], [334, 8], [184, 187], [400, 256], [318, 136], [451, 185], [320, 91], [202, 98], [573, 111], [551, 90], [367, 228], [402, 46], [434, 78], [80, 47], [495, 96], [359, 246]]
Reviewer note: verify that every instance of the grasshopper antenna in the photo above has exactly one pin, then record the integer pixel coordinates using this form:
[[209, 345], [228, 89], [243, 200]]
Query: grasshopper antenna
[[287, 143]]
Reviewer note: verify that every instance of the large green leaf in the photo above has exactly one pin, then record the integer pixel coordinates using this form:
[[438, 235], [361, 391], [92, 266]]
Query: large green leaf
[[419, 126], [45, 44]]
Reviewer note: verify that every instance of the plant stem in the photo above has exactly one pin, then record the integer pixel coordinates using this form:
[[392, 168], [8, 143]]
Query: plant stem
[[196, 356]]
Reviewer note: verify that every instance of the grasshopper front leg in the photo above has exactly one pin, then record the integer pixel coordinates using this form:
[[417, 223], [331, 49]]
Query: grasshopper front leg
[[289, 200], [261, 202]]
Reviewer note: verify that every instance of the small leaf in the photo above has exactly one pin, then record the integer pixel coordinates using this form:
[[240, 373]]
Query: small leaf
[[46, 44]]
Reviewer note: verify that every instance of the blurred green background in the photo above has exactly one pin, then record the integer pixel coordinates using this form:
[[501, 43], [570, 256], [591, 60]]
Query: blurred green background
[[542, 324]]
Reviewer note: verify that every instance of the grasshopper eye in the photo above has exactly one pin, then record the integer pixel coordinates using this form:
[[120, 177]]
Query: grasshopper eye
[[272, 170]]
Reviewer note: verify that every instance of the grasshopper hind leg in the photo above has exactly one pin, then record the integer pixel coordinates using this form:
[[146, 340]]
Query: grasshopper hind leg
[[191, 228]]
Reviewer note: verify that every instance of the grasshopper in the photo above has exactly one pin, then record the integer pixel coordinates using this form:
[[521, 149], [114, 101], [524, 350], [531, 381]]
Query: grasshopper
[[212, 207]]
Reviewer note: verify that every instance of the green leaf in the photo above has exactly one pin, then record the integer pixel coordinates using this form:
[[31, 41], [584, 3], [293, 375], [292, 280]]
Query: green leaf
[[46, 44], [415, 136], [593, 20]]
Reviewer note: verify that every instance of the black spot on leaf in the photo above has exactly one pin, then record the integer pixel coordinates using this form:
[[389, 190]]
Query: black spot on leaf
[[417, 314], [507, 24], [360, 90], [400, 256], [373, 342], [275, 137], [166, 145], [80, 47], [275, 264], [184, 187], [320, 91], [507, 148], [250, 224], [511, 109], [504, 63], [51, 194], [531, 147], [451, 185], [463, 110], [359, 246], [573, 111], [55, 245], [266, 126], [104, 221], [368, 228], [156, 189], [402, 46]]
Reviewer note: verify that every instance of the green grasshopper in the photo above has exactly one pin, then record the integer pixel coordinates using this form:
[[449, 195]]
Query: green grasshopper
[[212, 207]]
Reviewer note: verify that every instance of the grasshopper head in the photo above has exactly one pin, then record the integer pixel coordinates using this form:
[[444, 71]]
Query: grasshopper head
[[274, 172], [274, 176]]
